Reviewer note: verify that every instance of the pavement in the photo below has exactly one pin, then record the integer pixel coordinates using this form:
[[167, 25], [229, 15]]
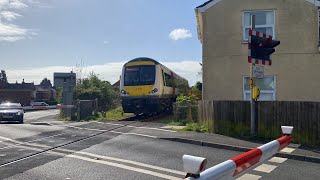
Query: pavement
[[294, 151]]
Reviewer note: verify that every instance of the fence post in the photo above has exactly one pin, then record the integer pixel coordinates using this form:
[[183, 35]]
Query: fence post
[[189, 117], [78, 110]]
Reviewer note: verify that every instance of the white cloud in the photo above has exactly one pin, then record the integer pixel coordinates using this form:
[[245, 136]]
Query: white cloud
[[12, 4], [17, 4], [110, 72], [178, 34], [9, 15], [11, 32], [8, 30], [106, 42]]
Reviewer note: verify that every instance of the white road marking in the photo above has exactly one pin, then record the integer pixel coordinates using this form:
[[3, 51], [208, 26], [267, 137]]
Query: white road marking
[[136, 134], [132, 162], [115, 124], [249, 177], [100, 130], [2, 155], [75, 127], [265, 168], [156, 174], [158, 129], [287, 150], [278, 160], [5, 138]]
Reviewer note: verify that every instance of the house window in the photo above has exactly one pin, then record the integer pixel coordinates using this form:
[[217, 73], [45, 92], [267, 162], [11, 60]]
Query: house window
[[265, 22], [267, 87]]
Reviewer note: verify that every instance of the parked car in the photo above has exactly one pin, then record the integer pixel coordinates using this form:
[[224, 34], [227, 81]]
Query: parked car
[[11, 112], [38, 104]]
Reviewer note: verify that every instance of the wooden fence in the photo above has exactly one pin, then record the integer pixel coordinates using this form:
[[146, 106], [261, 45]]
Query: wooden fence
[[233, 118]]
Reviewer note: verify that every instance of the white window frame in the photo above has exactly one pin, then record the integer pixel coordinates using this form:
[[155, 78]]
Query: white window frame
[[274, 92], [258, 26]]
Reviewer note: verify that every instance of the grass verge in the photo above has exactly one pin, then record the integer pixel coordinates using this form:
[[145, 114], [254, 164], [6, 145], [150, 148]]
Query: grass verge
[[115, 114], [189, 126]]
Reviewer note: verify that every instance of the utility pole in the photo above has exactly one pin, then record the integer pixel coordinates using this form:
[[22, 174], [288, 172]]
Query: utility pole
[[252, 83]]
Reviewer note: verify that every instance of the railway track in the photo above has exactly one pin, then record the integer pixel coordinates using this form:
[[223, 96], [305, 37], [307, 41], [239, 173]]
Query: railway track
[[147, 117], [42, 151], [45, 149]]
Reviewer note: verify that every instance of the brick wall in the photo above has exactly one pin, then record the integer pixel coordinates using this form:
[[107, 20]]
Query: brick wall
[[23, 97]]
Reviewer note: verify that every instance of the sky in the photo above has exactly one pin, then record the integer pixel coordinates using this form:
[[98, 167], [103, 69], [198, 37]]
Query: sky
[[39, 37]]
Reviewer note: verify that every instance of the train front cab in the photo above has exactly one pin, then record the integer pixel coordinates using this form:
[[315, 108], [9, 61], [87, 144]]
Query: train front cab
[[140, 87]]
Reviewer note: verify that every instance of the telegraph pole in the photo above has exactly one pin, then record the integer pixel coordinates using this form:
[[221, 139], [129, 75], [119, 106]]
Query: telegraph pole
[[252, 83]]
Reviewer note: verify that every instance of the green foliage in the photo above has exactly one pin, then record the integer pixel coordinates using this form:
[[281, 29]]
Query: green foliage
[[46, 82], [198, 86], [3, 76], [92, 87], [196, 127], [59, 95], [191, 99], [186, 108], [115, 114]]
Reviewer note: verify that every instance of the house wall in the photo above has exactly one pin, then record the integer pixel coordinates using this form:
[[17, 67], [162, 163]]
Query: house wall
[[295, 64], [23, 97]]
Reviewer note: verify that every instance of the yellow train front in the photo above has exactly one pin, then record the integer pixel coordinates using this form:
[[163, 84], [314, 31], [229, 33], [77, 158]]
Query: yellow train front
[[147, 86]]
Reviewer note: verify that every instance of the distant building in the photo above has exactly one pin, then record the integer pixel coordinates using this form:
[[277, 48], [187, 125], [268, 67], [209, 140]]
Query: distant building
[[23, 93], [44, 93]]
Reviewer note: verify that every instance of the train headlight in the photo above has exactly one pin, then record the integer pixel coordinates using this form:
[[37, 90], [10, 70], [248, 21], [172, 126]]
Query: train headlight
[[123, 92], [154, 90]]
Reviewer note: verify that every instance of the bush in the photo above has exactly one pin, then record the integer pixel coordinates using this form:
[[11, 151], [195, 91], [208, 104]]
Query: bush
[[196, 127], [184, 105]]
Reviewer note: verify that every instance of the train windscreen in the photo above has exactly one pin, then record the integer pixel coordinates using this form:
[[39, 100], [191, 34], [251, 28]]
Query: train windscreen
[[139, 75]]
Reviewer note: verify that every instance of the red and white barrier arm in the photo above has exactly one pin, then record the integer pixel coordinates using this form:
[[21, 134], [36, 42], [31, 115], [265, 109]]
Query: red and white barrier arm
[[234, 167], [62, 106]]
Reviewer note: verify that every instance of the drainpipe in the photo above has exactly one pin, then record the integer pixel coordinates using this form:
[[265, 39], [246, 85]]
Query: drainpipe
[[319, 29]]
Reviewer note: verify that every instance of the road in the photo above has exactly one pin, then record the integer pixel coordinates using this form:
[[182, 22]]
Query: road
[[119, 150]]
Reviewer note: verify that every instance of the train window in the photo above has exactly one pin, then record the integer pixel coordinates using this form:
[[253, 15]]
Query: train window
[[139, 75], [168, 80]]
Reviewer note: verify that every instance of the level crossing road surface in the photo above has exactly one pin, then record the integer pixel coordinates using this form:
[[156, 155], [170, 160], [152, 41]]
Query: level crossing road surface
[[114, 150]]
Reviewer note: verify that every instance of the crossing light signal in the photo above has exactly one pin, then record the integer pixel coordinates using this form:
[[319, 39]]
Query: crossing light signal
[[262, 47], [255, 93]]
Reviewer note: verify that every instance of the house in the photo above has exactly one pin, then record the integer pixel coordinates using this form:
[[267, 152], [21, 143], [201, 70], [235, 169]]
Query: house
[[223, 27], [45, 93], [20, 93]]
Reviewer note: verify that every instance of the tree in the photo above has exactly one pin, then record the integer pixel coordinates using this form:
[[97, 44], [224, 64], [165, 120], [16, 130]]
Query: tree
[[3, 76], [198, 86], [92, 87], [46, 82]]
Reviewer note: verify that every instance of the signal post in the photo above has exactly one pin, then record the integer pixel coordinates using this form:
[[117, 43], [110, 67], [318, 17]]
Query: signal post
[[260, 48]]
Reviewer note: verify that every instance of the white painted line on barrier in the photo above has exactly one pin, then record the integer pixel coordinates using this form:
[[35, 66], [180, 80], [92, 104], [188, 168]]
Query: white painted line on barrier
[[249, 177], [278, 160], [266, 168], [133, 162], [287, 150], [152, 173]]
